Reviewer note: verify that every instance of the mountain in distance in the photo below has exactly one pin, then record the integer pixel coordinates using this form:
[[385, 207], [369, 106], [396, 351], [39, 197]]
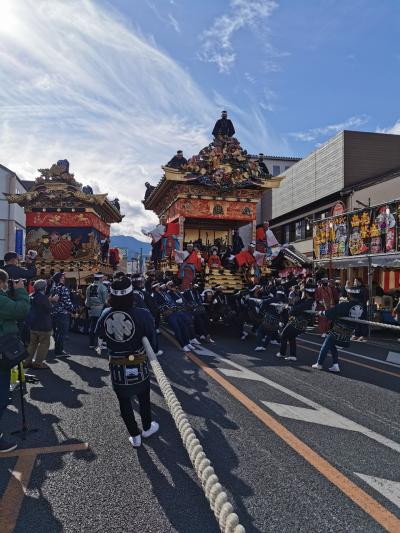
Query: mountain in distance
[[133, 245]]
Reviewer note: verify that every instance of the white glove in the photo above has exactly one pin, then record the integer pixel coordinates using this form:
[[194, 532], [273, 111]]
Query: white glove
[[179, 301]]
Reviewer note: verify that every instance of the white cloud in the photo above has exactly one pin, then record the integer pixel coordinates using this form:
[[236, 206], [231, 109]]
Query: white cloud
[[77, 83], [217, 46], [395, 129], [174, 23], [316, 133]]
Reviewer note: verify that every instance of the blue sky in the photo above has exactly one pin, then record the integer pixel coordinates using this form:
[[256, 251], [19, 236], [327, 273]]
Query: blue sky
[[117, 86]]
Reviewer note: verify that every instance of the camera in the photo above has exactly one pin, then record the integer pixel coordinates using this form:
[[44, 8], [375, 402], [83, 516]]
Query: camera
[[31, 254]]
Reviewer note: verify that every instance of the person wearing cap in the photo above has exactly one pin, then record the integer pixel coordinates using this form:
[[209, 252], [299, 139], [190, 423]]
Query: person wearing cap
[[340, 332], [62, 309], [223, 127], [178, 161], [298, 322], [40, 323], [14, 271], [95, 300], [122, 326]]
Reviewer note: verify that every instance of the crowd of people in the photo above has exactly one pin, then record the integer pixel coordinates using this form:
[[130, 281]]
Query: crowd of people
[[116, 313]]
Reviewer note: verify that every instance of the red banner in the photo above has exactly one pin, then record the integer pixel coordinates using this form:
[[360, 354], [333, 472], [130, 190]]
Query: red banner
[[212, 209], [67, 220]]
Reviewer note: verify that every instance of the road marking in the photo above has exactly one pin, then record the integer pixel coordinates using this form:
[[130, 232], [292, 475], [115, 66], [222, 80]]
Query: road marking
[[389, 489], [357, 363], [23, 452], [380, 361], [11, 501], [372, 507], [393, 357], [293, 412]]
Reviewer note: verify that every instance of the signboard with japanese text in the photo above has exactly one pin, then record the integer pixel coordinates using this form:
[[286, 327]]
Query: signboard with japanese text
[[373, 230]]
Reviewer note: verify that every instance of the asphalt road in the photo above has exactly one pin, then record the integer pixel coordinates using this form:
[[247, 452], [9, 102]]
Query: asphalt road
[[297, 450]]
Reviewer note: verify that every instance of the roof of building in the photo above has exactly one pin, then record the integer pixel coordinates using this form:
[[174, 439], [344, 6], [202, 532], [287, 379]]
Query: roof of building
[[28, 184], [278, 157], [391, 174]]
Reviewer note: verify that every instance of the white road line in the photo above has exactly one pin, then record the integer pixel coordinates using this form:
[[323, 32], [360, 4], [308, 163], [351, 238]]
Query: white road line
[[389, 489], [393, 357], [380, 361], [244, 373]]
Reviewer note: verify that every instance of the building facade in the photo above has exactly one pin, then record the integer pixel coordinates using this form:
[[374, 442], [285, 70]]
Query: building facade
[[12, 217], [353, 167], [277, 166]]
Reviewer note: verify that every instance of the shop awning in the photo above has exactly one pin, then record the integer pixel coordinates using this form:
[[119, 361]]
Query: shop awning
[[379, 260]]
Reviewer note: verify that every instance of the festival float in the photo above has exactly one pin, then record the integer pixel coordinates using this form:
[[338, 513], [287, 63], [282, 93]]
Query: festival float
[[66, 223], [203, 202]]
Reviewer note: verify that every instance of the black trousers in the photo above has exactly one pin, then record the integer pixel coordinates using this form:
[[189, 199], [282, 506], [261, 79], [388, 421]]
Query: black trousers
[[128, 415], [289, 335]]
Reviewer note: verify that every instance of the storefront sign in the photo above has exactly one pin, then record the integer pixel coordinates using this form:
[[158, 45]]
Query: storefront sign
[[338, 209], [373, 230]]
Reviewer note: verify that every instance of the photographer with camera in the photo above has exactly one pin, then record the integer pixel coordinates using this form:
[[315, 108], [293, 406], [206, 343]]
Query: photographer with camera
[[14, 271], [11, 311]]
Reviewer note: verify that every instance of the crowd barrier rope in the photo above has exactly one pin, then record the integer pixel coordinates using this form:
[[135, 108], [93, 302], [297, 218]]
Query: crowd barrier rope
[[223, 510]]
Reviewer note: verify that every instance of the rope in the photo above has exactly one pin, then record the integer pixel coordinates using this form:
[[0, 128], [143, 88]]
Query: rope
[[228, 520], [359, 321]]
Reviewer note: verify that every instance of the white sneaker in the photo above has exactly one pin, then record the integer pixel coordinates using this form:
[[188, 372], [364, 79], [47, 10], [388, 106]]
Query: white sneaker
[[192, 347], [324, 335], [157, 331], [211, 340], [279, 355], [274, 342], [202, 337], [136, 441], [186, 348], [259, 349], [362, 339], [290, 358], [244, 335], [160, 352], [334, 368], [195, 341], [154, 427], [317, 366], [353, 338]]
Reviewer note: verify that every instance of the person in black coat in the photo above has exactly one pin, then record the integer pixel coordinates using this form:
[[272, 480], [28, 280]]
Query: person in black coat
[[237, 242], [223, 127], [178, 161], [122, 326], [297, 324], [41, 325], [16, 272]]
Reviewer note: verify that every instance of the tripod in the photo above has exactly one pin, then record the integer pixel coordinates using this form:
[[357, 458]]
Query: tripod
[[24, 431]]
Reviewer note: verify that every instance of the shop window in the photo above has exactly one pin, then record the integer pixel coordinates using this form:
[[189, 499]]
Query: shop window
[[299, 233], [286, 233], [276, 169]]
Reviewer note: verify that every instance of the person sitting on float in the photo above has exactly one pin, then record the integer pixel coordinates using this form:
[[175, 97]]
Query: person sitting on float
[[178, 161], [214, 260]]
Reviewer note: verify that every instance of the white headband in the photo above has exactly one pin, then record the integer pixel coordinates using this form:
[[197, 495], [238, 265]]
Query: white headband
[[121, 292]]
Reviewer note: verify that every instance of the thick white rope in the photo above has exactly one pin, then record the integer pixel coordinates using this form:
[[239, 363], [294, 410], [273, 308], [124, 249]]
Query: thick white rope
[[228, 520], [360, 321]]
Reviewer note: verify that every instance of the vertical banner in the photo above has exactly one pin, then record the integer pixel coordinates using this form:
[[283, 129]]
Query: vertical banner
[[19, 241]]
